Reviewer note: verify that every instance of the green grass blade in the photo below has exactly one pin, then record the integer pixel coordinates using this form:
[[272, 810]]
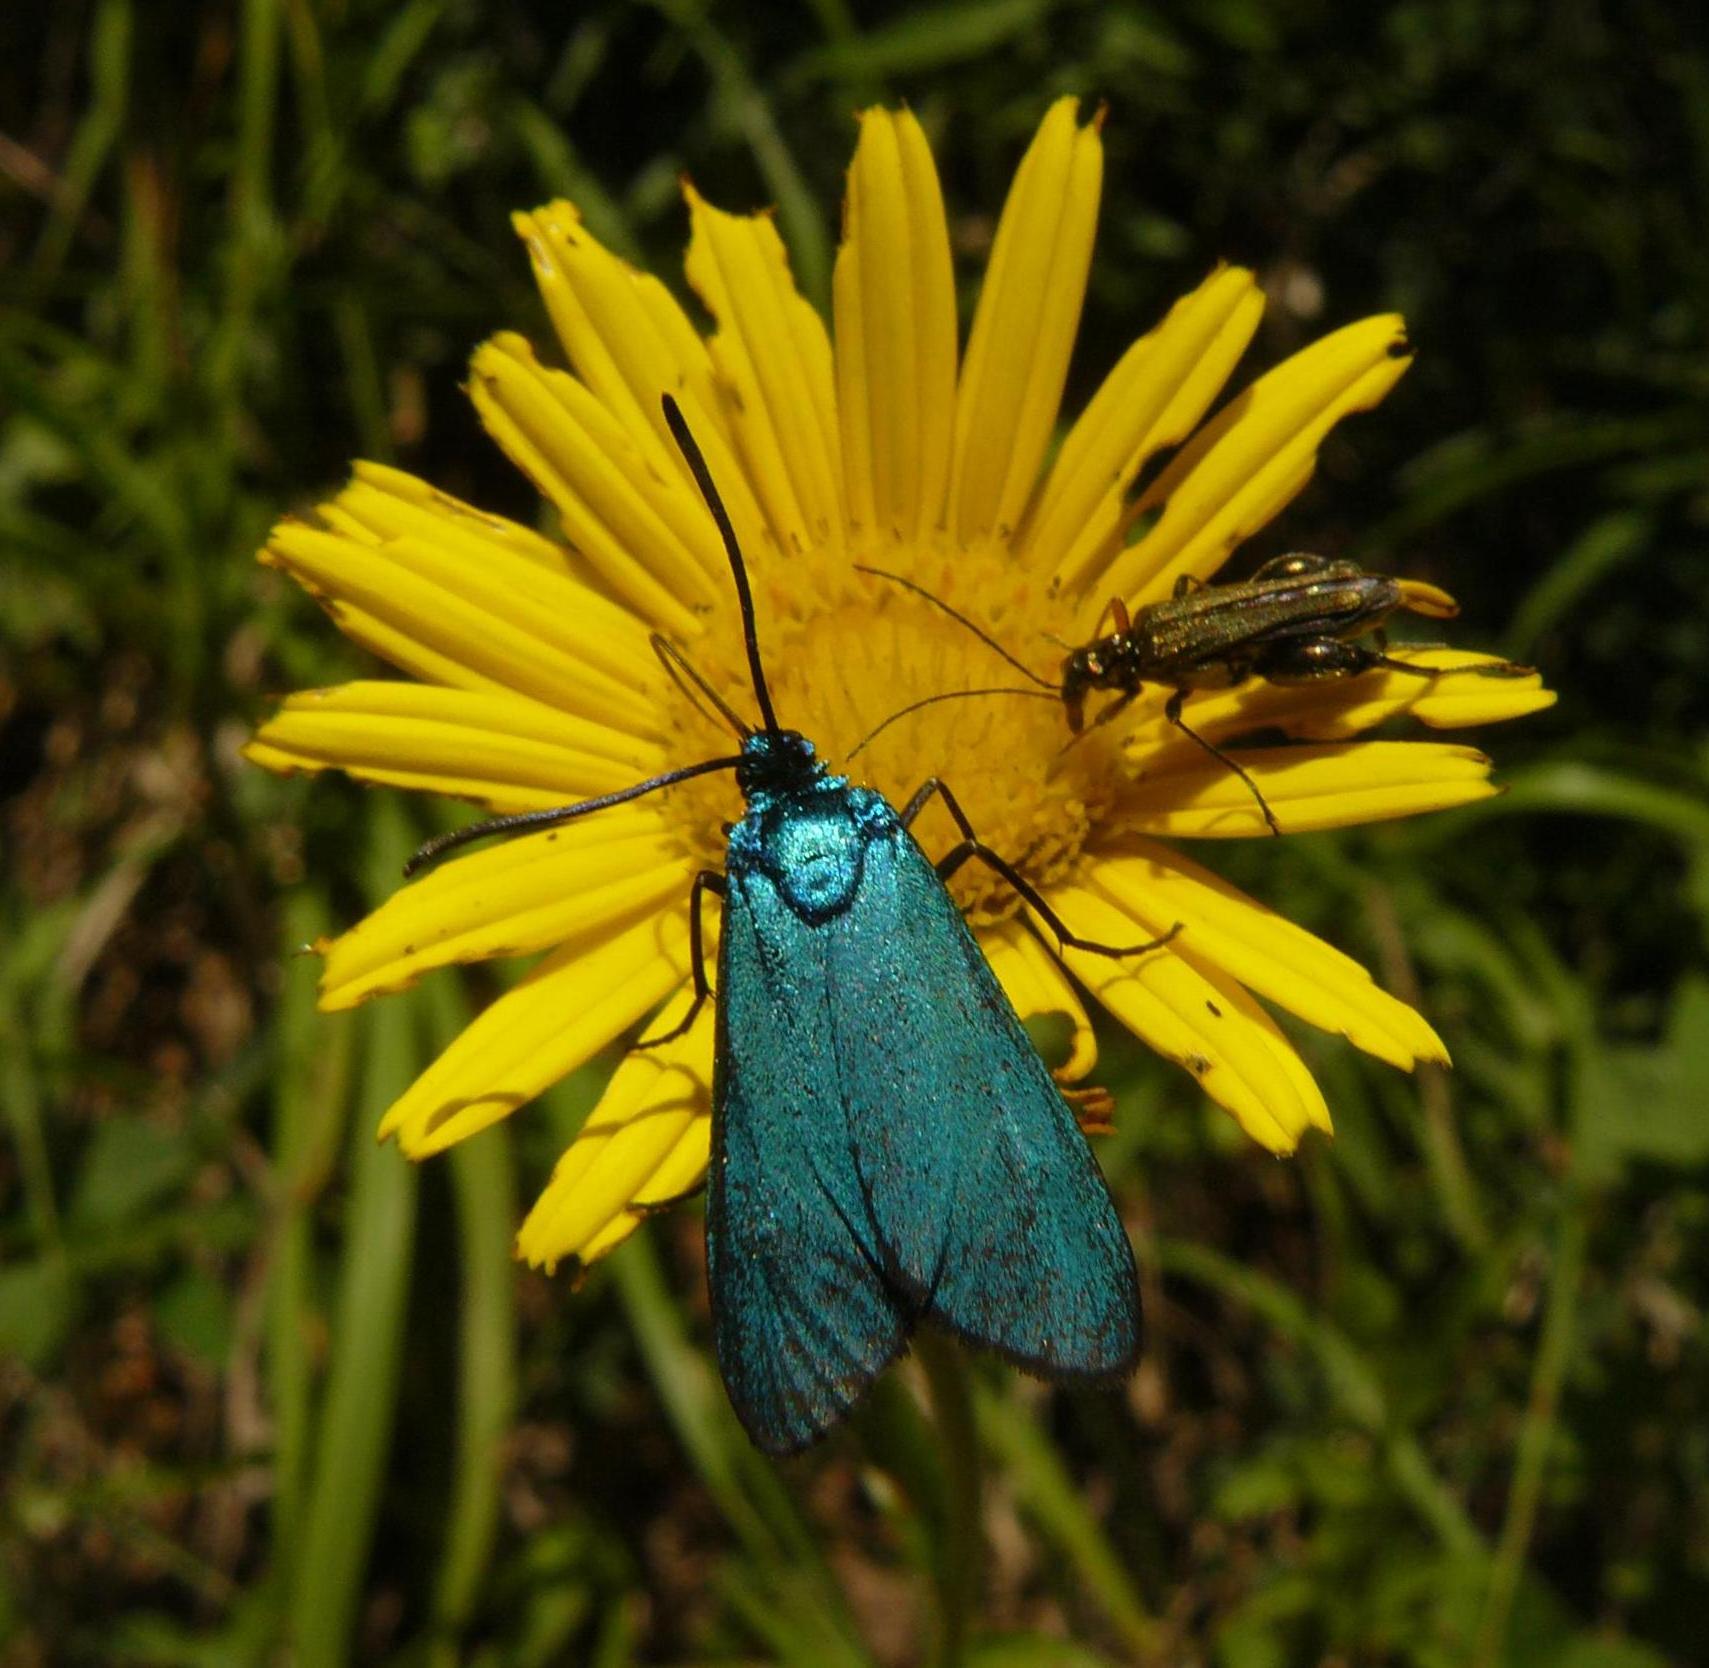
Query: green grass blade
[[301, 1045], [1034, 1470], [97, 133], [694, 1403], [1348, 1377], [794, 1601], [961, 1549], [1602, 549], [485, 1198], [252, 241], [353, 1435]]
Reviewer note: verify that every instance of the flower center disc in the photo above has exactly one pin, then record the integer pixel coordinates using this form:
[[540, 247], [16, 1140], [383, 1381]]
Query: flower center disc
[[844, 651]]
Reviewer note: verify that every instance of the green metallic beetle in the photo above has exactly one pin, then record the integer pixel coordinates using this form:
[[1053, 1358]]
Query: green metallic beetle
[[1294, 621]]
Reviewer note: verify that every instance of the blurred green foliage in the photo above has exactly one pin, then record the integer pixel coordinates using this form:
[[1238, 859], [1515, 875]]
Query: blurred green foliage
[[1435, 1394]]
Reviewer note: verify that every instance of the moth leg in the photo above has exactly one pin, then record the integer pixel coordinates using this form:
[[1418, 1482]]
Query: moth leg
[[1172, 711], [708, 880], [972, 846]]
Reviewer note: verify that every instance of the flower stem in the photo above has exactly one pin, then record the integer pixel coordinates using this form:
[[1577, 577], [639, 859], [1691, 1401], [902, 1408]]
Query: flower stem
[[961, 1551]]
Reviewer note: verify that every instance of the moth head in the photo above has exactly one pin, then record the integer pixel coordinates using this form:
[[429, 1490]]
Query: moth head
[[775, 762]]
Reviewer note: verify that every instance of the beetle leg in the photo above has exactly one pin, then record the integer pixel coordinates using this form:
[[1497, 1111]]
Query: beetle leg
[[1116, 707], [1291, 566], [1317, 659], [1172, 711]]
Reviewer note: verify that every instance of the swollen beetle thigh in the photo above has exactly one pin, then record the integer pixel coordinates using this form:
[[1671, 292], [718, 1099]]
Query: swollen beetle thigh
[[1313, 659]]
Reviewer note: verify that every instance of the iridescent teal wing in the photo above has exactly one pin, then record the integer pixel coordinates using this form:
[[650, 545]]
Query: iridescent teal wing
[[992, 1215], [803, 1317], [888, 1145]]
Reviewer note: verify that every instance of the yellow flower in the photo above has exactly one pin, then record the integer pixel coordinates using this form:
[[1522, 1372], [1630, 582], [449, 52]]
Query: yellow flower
[[534, 684]]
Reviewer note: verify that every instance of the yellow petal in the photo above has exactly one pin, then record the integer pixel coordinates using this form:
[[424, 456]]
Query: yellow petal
[[1023, 331], [772, 352], [382, 503], [1223, 929], [397, 646], [682, 1171], [1036, 984], [576, 1002], [1184, 793], [565, 886], [1200, 1019], [1335, 708], [624, 334], [1252, 458], [653, 1120], [506, 622], [894, 296], [646, 535], [630, 343], [499, 749], [1468, 697], [1151, 400]]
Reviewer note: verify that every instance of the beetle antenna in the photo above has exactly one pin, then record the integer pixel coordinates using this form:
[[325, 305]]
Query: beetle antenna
[[948, 695], [961, 619], [696, 461]]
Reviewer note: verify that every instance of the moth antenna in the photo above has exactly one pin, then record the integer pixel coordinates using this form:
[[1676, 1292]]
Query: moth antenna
[[961, 619], [696, 461], [677, 664], [947, 695], [529, 822]]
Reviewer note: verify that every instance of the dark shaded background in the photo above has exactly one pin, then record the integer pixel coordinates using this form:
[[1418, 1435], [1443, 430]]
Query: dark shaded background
[[1435, 1394]]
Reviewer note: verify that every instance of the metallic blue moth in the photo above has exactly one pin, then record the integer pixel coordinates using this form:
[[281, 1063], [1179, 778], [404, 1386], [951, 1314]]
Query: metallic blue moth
[[887, 1146]]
